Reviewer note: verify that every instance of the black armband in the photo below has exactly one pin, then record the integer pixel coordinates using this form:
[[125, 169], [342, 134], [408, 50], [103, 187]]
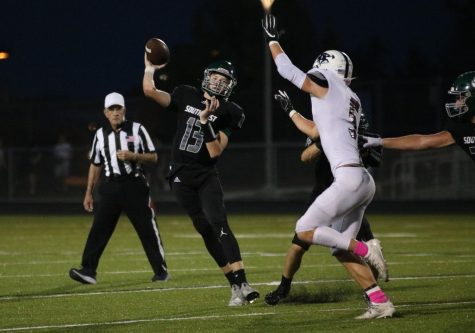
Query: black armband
[[208, 132]]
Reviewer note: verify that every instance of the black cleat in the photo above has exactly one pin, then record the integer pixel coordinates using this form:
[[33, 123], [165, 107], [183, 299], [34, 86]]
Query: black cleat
[[164, 276], [80, 275], [274, 297]]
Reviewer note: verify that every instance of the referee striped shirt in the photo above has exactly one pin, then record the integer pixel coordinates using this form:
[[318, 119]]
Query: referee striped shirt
[[132, 136]]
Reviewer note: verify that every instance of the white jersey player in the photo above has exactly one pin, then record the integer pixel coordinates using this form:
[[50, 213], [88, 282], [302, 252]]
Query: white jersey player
[[336, 112]]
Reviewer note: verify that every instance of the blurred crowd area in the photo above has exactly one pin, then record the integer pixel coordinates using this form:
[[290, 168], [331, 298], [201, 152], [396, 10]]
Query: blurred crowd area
[[37, 174], [46, 158]]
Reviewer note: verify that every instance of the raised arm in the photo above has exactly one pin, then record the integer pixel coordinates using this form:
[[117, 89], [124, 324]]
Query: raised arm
[[161, 97], [304, 125], [285, 67]]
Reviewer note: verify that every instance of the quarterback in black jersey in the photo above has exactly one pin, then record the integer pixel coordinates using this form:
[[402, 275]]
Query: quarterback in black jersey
[[205, 121], [460, 129]]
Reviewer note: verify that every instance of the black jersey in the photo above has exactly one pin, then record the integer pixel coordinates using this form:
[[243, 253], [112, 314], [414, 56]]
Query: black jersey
[[464, 135], [189, 147]]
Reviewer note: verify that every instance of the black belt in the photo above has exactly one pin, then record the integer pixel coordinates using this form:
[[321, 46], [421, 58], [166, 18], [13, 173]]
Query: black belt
[[119, 178]]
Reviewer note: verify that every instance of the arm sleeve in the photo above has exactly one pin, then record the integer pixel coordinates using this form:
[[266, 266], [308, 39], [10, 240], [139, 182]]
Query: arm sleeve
[[289, 71]]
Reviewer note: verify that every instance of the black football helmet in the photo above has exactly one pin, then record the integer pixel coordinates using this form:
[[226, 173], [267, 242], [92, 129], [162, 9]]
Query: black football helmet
[[222, 89], [464, 91]]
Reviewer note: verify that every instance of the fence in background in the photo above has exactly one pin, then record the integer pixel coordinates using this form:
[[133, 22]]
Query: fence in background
[[443, 174]]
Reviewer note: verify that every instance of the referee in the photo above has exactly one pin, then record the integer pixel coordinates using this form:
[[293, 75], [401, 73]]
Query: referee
[[119, 148]]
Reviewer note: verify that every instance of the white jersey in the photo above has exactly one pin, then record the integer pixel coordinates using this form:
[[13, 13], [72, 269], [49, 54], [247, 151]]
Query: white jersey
[[337, 116]]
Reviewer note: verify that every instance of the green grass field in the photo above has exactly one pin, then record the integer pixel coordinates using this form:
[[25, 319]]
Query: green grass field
[[431, 262]]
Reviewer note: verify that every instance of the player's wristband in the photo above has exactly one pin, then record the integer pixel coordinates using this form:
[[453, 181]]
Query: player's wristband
[[292, 113], [208, 132]]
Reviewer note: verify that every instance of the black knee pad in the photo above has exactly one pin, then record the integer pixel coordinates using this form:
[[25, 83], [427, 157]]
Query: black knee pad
[[299, 242]]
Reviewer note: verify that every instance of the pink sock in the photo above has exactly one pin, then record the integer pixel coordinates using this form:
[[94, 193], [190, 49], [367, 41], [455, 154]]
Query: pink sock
[[376, 295], [361, 249]]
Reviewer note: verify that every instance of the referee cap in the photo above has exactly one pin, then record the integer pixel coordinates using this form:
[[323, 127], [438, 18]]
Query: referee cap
[[114, 99]]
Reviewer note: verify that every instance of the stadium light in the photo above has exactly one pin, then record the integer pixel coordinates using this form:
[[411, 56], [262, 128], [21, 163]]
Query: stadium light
[[270, 172], [4, 55], [267, 4]]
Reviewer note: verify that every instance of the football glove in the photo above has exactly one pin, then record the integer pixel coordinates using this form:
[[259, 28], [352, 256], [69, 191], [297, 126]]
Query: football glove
[[371, 153], [284, 101], [270, 28], [369, 141]]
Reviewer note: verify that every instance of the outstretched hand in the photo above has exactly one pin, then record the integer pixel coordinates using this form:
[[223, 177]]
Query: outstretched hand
[[284, 101], [369, 141], [269, 25]]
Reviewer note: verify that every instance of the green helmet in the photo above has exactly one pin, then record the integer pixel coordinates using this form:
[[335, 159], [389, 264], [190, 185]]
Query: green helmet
[[221, 89], [464, 91]]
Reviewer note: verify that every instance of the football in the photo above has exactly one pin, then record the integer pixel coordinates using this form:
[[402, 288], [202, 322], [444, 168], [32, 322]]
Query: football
[[157, 51]]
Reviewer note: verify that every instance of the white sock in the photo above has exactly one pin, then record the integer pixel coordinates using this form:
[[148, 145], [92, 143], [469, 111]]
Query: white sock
[[329, 237]]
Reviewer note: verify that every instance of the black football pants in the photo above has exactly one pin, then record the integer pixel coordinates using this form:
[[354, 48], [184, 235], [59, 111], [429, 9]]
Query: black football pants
[[203, 201], [131, 196]]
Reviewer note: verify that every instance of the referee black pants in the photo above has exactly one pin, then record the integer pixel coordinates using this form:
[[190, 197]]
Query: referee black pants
[[131, 196], [201, 195]]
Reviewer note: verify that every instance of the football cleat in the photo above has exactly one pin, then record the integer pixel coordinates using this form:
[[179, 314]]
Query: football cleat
[[80, 275], [274, 297], [378, 310], [248, 293], [236, 296], [164, 276], [375, 258]]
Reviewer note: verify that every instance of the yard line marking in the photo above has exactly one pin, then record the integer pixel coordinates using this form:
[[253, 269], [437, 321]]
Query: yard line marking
[[210, 269], [272, 283], [203, 254], [289, 235], [254, 314]]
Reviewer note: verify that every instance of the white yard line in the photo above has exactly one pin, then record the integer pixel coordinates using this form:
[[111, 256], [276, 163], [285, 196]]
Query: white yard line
[[466, 260], [272, 283], [210, 269], [255, 314]]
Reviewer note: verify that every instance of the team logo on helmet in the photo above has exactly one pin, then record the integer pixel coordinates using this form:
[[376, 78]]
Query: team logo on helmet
[[323, 58], [337, 62]]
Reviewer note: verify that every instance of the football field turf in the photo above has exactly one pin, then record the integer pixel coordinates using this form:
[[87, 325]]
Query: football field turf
[[431, 263]]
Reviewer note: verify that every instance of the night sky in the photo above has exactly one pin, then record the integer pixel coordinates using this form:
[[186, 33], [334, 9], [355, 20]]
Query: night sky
[[84, 49]]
